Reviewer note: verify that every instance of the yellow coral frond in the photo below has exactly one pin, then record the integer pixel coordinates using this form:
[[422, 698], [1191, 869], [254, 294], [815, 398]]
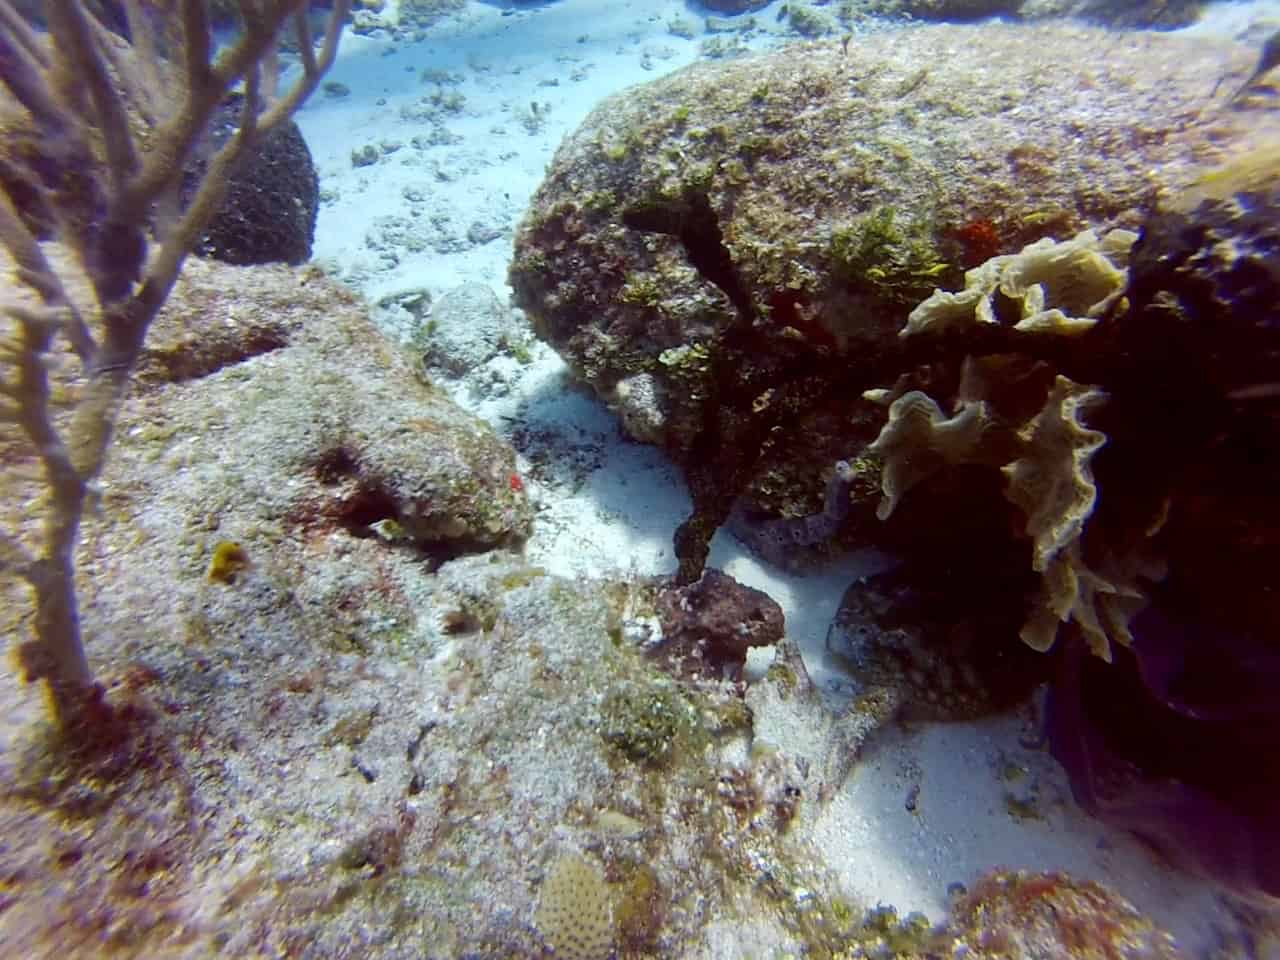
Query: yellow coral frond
[[1100, 606], [1052, 482], [1060, 288], [919, 439]]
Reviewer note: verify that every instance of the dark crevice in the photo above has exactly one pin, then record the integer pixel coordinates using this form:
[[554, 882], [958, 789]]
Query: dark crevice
[[366, 506], [334, 465], [747, 359], [692, 221], [361, 501], [182, 363]]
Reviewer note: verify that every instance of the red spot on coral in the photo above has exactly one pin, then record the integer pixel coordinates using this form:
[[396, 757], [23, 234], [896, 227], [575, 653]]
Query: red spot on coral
[[981, 241], [516, 483]]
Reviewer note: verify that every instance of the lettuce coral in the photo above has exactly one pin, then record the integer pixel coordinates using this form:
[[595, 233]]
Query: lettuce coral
[[1055, 287], [1044, 449], [1051, 481], [1100, 606], [920, 439], [1046, 466]]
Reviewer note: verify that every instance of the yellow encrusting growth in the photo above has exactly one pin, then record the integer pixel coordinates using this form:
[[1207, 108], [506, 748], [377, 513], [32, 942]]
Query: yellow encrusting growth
[[229, 558], [574, 916]]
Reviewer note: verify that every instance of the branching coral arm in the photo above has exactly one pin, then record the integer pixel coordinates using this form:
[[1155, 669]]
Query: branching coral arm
[[35, 271], [104, 192]]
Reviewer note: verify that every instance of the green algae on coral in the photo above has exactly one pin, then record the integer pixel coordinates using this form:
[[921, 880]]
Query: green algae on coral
[[900, 264], [643, 723]]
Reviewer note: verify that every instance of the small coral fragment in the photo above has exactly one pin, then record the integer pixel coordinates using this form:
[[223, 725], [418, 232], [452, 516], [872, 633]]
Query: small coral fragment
[[575, 916], [229, 558]]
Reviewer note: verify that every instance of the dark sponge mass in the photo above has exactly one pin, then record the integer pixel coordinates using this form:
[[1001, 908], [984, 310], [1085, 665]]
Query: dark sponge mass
[[269, 213]]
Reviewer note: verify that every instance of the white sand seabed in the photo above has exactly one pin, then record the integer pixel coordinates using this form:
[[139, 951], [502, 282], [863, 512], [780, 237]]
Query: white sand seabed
[[619, 518]]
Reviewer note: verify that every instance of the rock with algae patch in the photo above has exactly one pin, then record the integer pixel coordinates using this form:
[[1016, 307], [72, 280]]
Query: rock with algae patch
[[1052, 916], [786, 151]]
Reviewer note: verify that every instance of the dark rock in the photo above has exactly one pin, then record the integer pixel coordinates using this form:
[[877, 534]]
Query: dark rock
[[735, 6], [1150, 14], [939, 642], [708, 626], [1206, 279], [957, 11], [267, 215], [1175, 743]]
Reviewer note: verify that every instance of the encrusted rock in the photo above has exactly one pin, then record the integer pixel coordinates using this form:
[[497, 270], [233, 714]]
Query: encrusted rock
[[1052, 916], [922, 638], [746, 239], [708, 626]]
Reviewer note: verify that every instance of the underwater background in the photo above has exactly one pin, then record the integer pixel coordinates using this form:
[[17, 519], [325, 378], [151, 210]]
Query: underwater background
[[664, 479]]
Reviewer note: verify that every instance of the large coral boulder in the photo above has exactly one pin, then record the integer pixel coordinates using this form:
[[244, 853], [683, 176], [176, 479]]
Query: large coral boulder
[[727, 255], [273, 197], [816, 194], [270, 424]]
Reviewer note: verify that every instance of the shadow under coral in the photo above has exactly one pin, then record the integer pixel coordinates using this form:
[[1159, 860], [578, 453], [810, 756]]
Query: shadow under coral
[[1176, 741]]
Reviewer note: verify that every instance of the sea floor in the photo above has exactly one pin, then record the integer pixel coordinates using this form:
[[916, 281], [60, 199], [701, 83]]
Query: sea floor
[[527, 78]]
